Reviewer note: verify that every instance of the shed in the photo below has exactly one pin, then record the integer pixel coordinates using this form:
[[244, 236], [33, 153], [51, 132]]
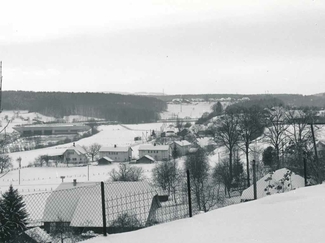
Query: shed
[[105, 161], [146, 160]]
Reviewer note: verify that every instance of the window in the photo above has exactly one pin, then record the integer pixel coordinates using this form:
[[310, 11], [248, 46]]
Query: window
[[74, 159]]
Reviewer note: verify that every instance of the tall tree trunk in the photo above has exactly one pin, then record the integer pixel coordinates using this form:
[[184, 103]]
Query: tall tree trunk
[[230, 164], [247, 164]]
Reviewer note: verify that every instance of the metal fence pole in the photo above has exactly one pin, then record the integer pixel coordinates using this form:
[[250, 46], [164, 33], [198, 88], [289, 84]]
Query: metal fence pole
[[189, 193], [305, 170], [103, 208], [254, 179]]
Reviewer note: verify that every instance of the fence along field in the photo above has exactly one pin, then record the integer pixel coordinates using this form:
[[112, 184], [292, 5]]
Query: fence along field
[[80, 210]]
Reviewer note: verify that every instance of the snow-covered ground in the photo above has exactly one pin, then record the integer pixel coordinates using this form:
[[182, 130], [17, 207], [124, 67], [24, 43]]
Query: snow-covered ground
[[48, 178], [194, 110], [20, 118], [296, 216], [108, 136]]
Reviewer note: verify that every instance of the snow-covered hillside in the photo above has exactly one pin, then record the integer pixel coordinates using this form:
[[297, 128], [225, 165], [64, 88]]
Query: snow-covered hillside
[[17, 118], [296, 216]]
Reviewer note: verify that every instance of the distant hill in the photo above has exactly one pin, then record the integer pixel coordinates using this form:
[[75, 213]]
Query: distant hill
[[288, 99], [114, 107]]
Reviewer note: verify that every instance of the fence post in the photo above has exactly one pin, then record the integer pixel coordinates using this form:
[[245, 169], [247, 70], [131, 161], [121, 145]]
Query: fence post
[[103, 208], [305, 169], [189, 193], [254, 180]]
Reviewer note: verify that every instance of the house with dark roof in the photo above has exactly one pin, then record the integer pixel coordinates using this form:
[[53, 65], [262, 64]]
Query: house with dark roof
[[105, 161], [79, 205], [158, 152], [116, 153], [145, 160]]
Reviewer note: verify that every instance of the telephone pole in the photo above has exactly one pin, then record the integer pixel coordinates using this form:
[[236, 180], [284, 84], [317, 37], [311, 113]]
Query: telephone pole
[[0, 86]]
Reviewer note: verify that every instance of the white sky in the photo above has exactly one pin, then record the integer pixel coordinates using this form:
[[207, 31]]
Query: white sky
[[197, 46]]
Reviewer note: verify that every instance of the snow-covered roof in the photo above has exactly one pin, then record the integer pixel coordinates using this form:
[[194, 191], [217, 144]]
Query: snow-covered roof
[[39, 235], [296, 182], [81, 204], [149, 157], [153, 147], [78, 149], [114, 149], [106, 158], [183, 143]]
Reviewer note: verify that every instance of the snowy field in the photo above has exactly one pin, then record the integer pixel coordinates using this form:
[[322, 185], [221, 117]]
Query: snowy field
[[48, 178], [108, 136], [296, 216], [194, 110]]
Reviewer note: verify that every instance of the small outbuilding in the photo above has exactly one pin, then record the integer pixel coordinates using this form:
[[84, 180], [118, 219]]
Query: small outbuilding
[[105, 161], [146, 160]]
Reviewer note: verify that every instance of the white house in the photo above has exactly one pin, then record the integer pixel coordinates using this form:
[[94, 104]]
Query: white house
[[116, 153], [75, 155], [158, 152], [182, 147]]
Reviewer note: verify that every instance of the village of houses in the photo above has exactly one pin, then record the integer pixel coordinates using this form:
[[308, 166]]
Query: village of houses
[[68, 191]]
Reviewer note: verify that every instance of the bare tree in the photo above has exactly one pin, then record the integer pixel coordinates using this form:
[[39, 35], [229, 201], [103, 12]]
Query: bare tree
[[299, 133], [127, 173], [5, 163], [39, 161], [275, 131], [205, 193], [227, 134], [166, 175], [64, 233], [250, 126], [92, 150], [179, 124]]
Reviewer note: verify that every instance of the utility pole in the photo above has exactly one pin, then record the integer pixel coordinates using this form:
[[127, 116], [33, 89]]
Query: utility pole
[[0, 86]]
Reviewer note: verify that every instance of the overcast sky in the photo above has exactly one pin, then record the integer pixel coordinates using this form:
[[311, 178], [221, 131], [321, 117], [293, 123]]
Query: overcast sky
[[175, 46]]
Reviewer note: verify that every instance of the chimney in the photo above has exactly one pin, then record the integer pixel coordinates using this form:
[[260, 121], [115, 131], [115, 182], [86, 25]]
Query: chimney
[[74, 145], [74, 182], [114, 145]]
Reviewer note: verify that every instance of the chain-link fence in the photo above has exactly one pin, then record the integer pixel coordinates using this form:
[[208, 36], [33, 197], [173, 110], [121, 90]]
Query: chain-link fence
[[76, 211]]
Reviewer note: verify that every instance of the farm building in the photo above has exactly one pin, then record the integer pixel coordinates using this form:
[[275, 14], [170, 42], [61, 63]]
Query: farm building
[[52, 129], [79, 205], [105, 161], [158, 152], [146, 160], [74, 154], [116, 153], [182, 147]]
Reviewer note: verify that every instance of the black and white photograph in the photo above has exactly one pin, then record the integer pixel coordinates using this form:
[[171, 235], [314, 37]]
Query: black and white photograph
[[162, 121]]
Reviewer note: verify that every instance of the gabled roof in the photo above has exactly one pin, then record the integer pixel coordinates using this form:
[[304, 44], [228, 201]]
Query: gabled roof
[[148, 157], [106, 158], [183, 143], [153, 147], [81, 204], [120, 197], [78, 149], [114, 149]]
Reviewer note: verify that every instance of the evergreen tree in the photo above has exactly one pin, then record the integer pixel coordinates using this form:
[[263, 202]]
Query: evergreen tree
[[13, 215]]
